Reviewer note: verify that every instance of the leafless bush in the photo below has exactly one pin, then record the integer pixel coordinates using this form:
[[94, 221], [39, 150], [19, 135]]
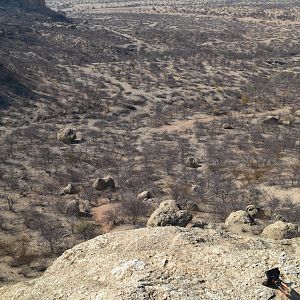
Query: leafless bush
[[19, 248], [133, 208], [52, 231], [289, 209], [114, 217], [32, 218], [10, 202], [181, 192], [87, 229]]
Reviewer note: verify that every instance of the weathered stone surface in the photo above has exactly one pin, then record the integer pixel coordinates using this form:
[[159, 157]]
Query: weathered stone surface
[[169, 214], [239, 217], [68, 190], [110, 183], [144, 195], [170, 263], [281, 230], [271, 120], [101, 184], [66, 135]]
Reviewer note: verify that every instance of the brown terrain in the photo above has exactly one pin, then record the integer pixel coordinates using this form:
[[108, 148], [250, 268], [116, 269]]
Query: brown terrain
[[196, 101]]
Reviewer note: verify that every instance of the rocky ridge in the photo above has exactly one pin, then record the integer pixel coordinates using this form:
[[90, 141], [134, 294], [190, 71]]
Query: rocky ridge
[[164, 263], [36, 6], [24, 3]]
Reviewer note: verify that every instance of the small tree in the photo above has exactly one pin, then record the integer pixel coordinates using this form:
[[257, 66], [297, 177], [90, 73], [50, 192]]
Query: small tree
[[32, 218], [114, 217], [87, 229], [10, 203], [134, 208], [51, 231], [181, 192], [18, 248]]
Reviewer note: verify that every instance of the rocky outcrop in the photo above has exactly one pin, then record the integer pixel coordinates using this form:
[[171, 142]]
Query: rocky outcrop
[[66, 135], [169, 214], [271, 120], [163, 263], [278, 120], [281, 230], [68, 190], [101, 184], [239, 217], [144, 195], [36, 6]]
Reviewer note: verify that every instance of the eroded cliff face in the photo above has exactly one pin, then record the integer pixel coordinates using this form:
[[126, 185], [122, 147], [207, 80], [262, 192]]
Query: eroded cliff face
[[164, 263]]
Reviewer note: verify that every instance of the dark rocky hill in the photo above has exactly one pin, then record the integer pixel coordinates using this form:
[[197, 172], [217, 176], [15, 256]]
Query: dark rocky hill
[[23, 3], [32, 5]]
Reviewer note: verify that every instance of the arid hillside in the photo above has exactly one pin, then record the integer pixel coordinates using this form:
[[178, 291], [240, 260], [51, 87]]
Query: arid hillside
[[107, 108]]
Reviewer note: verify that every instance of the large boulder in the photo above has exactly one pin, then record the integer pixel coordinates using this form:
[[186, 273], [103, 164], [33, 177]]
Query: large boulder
[[271, 120], [68, 190], [110, 183], [169, 214], [66, 135], [239, 217], [281, 230], [144, 195], [101, 184]]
